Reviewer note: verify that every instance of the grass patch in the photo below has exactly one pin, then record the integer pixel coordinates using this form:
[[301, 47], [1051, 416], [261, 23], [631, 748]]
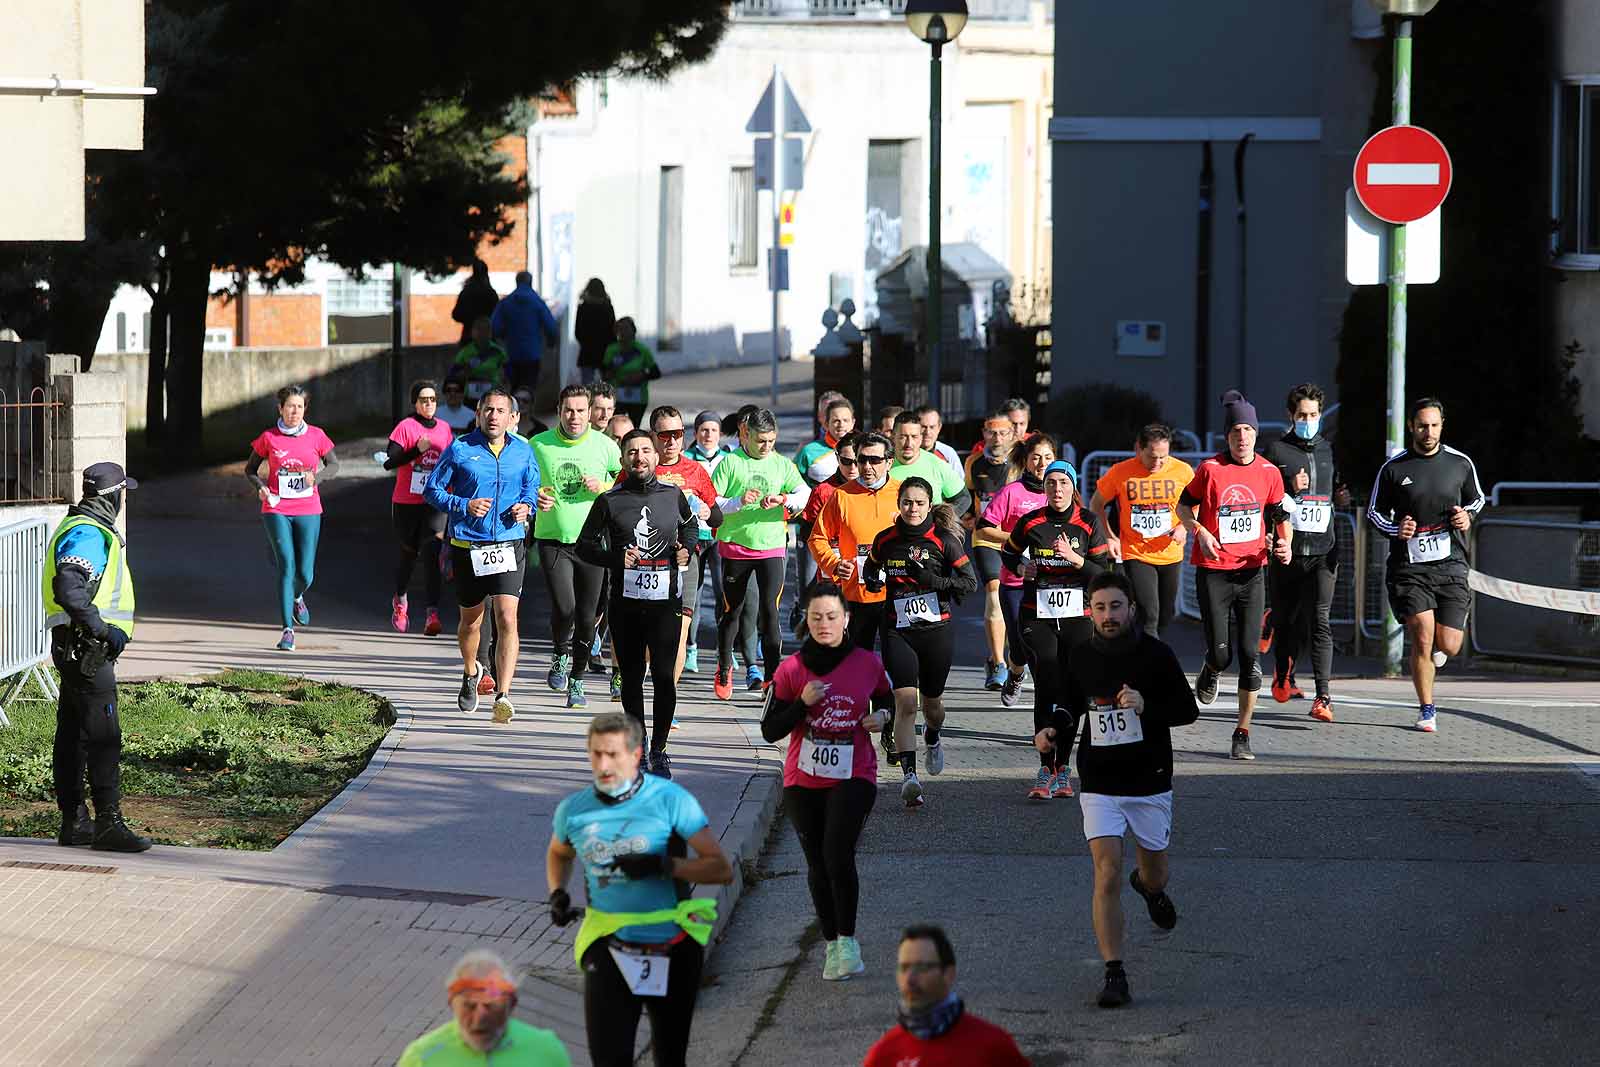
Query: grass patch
[[235, 761]]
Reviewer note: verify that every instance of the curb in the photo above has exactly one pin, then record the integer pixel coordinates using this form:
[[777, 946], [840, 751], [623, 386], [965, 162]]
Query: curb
[[403, 718], [747, 832]]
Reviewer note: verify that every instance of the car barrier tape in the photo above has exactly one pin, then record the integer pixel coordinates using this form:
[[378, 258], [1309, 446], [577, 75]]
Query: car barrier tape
[[1539, 596]]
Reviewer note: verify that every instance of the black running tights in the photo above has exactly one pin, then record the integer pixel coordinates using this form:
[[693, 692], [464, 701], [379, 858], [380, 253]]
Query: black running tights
[[638, 627], [829, 822]]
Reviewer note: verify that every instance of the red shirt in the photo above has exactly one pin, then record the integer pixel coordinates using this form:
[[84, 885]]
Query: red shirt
[[1236, 502], [689, 476], [971, 1042]]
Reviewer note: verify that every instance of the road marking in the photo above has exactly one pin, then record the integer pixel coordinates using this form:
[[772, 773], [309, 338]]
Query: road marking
[[1384, 702], [1402, 174]]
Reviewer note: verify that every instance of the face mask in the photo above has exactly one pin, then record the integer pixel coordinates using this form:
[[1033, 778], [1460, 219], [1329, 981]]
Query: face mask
[[617, 790], [878, 483], [1308, 429]]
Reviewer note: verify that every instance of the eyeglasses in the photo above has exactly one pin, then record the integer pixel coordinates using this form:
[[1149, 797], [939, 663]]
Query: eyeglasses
[[847, 461], [670, 435], [874, 459], [429, 399]]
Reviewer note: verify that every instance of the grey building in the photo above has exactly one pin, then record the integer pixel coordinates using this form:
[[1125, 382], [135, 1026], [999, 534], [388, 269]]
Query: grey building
[[1575, 193]]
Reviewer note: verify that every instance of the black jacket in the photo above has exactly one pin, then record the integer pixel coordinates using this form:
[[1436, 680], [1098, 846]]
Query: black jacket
[[1291, 455], [595, 328], [909, 560], [655, 517], [477, 298]]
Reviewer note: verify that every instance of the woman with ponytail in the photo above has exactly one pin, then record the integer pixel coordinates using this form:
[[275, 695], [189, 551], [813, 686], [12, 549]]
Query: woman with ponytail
[[1029, 458]]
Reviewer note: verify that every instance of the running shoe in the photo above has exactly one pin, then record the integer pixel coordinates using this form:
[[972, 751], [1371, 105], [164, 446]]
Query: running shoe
[[575, 697], [848, 955], [486, 683], [1061, 784], [432, 627], [504, 710], [1041, 785], [1295, 692], [1115, 994], [722, 686], [911, 791], [1162, 911], [302, 614], [936, 759], [399, 616], [1011, 690], [753, 678], [1283, 684], [1205, 684], [995, 678], [1427, 719], [560, 669], [691, 659], [1241, 745], [674, 722], [286, 642], [1322, 709], [830, 962], [616, 686], [1266, 632], [1439, 659], [661, 765], [467, 699]]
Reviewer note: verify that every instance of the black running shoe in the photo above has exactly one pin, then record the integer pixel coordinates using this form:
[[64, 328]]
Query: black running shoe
[[1115, 994], [661, 765], [1162, 911], [1205, 684], [1241, 745]]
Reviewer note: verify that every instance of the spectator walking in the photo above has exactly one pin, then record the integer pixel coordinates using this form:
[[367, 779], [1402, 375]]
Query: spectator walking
[[595, 328], [482, 995], [477, 297], [523, 323], [629, 366]]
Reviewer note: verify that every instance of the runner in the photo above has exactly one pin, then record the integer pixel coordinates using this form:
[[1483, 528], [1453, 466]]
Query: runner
[[481, 363], [299, 458], [818, 464], [1029, 458], [754, 488], [1016, 412], [826, 699], [642, 944], [630, 367], [886, 416], [1423, 500], [642, 532], [987, 471], [706, 452], [922, 567], [1066, 549], [1226, 509], [910, 461], [666, 424], [487, 483], [749, 616], [460, 417], [602, 405], [1130, 691], [1142, 492], [415, 445], [1302, 589], [932, 423]]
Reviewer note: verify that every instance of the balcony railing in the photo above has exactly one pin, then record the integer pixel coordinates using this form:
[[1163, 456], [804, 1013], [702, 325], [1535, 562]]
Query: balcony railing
[[996, 10]]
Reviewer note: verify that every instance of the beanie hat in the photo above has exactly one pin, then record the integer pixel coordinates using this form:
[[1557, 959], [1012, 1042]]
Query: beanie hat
[[1236, 410], [705, 417], [1061, 466]]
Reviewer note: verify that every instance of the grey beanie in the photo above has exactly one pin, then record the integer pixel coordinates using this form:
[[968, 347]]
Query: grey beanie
[[706, 416], [1236, 409]]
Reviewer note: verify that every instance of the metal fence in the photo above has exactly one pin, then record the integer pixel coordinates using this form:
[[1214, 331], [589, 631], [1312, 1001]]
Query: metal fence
[[24, 642], [1561, 555], [28, 444], [1000, 10]]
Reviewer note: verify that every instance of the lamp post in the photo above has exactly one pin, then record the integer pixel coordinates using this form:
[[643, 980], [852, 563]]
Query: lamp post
[[1398, 16], [938, 22]]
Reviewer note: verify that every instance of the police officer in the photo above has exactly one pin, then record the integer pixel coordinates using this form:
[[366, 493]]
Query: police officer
[[88, 605]]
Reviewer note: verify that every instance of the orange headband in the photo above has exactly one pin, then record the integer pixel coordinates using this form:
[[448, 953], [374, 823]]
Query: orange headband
[[488, 987]]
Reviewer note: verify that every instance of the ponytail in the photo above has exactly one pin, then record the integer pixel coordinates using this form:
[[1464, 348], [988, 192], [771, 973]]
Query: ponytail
[[945, 518]]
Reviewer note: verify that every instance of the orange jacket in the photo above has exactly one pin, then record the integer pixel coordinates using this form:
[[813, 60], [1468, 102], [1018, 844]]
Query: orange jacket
[[849, 521]]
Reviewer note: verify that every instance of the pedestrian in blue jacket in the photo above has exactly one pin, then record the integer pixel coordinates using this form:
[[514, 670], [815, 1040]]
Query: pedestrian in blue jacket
[[523, 323]]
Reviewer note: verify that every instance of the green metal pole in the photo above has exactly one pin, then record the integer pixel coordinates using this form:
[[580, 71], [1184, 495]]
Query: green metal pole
[[935, 271], [1394, 638]]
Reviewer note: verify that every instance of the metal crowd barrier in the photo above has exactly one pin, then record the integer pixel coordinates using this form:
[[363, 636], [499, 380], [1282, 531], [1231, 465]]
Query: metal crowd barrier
[[1345, 601], [24, 642], [1540, 569]]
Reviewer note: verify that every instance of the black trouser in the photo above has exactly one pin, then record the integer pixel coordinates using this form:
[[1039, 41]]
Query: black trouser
[[747, 611], [416, 525], [1010, 614], [574, 598], [865, 622], [611, 1010], [1237, 598], [88, 737], [1049, 642], [736, 574], [1155, 588], [828, 823], [1302, 597], [637, 627]]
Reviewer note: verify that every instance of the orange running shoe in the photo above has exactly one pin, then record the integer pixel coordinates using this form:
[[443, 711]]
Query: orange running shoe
[[1282, 688], [723, 685], [486, 684], [1266, 632], [1322, 709]]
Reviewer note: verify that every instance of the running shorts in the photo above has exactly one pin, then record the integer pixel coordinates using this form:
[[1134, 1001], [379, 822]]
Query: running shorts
[[987, 561], [918, 657], [1150, 818], [1443, 592], [414, 523], [472, 589]]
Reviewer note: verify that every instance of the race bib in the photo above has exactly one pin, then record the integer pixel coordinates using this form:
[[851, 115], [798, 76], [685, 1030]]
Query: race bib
[[1060, 603], [419, 479], [493, 559], [1111, 725], [827, 758], [645, 972], [1150, 520], [1236, 526], [1311, 515], [645, 583], [1429, 547], [923, 607], [294, 485]]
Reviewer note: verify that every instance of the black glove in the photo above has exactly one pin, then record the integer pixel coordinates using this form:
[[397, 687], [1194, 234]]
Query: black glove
[[115, 641], [561, 910], [916, 570], [872, 578], [643, 864]]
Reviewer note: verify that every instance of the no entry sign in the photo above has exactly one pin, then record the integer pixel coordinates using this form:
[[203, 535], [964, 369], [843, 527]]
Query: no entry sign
[[1402, 174]]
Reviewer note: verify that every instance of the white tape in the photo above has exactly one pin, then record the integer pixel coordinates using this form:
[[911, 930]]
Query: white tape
[[1539, 596]]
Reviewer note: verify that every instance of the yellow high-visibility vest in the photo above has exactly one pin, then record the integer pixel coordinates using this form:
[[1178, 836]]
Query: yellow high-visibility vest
[[114, 597]]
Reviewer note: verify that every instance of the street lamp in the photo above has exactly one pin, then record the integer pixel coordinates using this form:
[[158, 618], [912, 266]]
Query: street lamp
[[938, 22], [1400, 13]]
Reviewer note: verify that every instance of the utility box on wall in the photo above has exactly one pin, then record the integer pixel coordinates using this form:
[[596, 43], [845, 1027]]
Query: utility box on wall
[[1141, 338]]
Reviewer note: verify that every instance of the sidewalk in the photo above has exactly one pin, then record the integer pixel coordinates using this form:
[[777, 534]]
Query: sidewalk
[[334, 946]]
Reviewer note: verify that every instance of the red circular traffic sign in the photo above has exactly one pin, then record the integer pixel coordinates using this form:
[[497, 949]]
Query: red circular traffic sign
[[1402, 174]]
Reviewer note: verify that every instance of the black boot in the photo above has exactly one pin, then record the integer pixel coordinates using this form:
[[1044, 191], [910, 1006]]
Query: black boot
[[111, 834], [76, 827]]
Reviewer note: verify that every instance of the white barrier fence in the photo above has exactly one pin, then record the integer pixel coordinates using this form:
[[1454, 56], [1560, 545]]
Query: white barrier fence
[[24, 641]]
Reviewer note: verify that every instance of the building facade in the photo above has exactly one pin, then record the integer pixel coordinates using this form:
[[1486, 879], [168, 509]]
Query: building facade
[[1574, 203]]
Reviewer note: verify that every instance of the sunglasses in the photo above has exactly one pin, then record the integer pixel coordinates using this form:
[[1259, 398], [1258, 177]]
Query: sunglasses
[[848, 461], [670, 435], [428, 399], [874, 459]]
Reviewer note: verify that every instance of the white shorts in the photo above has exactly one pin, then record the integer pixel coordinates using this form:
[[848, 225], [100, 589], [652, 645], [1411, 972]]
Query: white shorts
[[1150, 818]]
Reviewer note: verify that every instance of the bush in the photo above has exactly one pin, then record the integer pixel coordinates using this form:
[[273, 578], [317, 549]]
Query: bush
[[1102, 416]]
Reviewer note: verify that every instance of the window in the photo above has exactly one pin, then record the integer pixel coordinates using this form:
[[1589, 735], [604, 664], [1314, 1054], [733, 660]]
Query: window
[[346, 296], [742, 215], [1574, 203]]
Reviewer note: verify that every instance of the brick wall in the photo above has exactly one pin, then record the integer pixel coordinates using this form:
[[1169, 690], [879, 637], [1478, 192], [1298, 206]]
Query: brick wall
[[286, 320], [431, 323], [511, 254]]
